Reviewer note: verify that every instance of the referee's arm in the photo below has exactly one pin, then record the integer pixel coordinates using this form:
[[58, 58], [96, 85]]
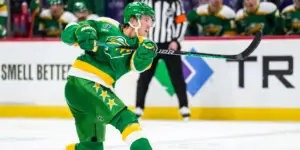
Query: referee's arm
[[180, 22]]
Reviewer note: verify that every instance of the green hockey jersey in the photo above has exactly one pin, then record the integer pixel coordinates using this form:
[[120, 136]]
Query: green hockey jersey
[[3, 18], [291, 20], [203, 22], [106, 65], [266, 18], [53, 27]]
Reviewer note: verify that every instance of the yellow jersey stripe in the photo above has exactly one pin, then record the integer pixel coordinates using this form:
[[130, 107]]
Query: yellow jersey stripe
[[91, 69], [3, 8]]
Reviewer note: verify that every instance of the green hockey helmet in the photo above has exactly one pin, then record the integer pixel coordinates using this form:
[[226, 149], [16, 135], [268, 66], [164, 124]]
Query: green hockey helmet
[[54, 2], [79, 7], [137, 9]]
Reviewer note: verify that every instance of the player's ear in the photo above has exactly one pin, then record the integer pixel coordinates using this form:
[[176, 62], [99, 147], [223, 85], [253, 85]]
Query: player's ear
[[133, 21]]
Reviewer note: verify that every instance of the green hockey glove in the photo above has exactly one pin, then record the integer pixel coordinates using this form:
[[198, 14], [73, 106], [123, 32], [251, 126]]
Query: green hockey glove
[[86, 36], [147, 49]]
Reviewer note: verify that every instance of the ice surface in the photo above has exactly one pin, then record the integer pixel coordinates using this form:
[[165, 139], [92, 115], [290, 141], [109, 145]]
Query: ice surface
[[54, 134]]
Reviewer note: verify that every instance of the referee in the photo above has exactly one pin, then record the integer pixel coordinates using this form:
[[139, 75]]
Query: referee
[[169, 29]]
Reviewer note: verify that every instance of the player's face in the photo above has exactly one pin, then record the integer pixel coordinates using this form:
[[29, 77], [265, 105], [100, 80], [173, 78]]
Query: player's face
[[82, 15], [146, 24], [216, 3], [56, 9], [297, 2], [250, 5]]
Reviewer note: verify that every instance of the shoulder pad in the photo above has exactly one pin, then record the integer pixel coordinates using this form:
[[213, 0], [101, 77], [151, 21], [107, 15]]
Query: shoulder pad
[[46, 14], [110, 21], [202, 9], [93, 17], [266, 7], [68, 17], [290, 8], [227, 12], [240, 14]]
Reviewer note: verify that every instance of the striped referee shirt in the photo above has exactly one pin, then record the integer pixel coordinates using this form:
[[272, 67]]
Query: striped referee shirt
[[170, 20]]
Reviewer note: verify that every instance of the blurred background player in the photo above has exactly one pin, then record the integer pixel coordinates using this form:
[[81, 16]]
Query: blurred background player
[[35, 10], [53, 20], [81, 12], [94, 6], [213, 19], [257, 16], [3, 18], [168, 32], [71, 5], [92, 77], [291, 18]]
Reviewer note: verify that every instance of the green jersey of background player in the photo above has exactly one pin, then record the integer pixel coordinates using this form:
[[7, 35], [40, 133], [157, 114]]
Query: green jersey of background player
[[212, 19], [257, 16], [3, 18], [291, 18], [53, 20], [92, 77]]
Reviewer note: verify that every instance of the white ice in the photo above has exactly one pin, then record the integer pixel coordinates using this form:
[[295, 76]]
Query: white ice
[[54, 134]]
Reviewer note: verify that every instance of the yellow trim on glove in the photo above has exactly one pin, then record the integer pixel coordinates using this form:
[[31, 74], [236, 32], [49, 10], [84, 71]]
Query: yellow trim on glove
[[130, 129]]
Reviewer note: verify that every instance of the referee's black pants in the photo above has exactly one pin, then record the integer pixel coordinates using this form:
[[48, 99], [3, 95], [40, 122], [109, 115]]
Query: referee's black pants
[[174, 66]]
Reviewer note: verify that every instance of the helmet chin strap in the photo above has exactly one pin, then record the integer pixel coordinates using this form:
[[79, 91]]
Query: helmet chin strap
[[136, 28]]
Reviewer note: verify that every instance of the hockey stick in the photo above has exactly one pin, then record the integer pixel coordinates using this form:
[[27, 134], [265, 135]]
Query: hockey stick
[[241, 56]]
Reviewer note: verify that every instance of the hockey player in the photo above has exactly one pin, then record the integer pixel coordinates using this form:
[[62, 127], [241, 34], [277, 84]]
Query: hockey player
[[35, 10], [257, 16], [54, 20], [213, 19], [81, 12], [3, 18], [92, 77], [291, 18]]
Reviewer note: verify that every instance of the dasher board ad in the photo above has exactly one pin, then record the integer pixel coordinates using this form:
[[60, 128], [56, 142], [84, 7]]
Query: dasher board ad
[[34, 73]]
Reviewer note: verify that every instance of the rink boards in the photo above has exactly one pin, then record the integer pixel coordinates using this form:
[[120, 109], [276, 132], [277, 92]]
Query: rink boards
[[265, 87]]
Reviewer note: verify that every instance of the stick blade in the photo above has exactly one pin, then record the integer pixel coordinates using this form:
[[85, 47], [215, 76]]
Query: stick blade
[[247, 52]]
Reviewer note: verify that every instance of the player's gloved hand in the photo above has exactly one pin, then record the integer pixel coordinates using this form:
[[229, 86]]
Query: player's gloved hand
[[86, 37], [147, 49]]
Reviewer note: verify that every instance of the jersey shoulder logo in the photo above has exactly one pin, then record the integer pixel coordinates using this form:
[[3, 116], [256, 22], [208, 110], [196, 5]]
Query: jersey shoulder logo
[[116, 40]]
